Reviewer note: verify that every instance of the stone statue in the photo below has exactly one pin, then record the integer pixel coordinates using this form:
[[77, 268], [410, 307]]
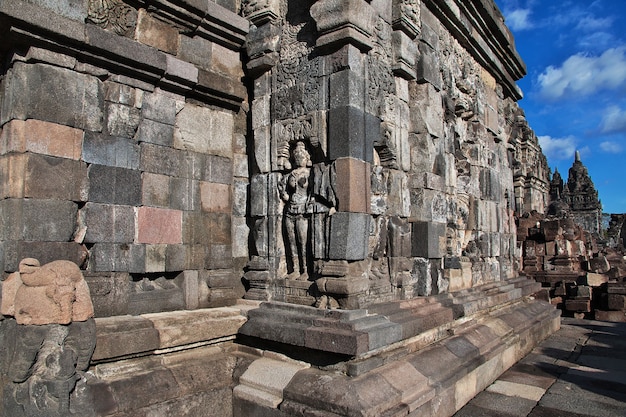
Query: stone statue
[[48, 335], [296, 192]]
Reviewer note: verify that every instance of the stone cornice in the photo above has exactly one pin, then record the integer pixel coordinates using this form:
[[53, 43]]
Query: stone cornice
[[27, 24], [478, 26]]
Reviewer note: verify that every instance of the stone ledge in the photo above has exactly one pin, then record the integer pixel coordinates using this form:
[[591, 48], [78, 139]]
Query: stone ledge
[[33, 25], [125, 336], [358, 333], [434, 381]]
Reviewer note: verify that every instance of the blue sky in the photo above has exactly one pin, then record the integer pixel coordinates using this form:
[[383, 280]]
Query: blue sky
[[575, 89]]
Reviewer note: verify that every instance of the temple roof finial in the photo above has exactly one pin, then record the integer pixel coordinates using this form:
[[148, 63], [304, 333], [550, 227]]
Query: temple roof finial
[[577, 157]]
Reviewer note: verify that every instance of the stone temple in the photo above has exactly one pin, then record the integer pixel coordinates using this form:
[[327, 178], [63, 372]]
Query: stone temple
[[262, 208]]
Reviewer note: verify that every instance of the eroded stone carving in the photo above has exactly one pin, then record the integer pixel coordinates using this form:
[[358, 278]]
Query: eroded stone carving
[[48, 336], [114, 15]]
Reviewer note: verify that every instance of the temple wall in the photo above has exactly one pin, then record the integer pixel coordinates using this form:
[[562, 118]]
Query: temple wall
[[419, 156], [123, 148], [357, 165]]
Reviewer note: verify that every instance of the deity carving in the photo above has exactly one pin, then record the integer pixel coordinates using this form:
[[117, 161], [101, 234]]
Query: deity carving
[[296, 192]]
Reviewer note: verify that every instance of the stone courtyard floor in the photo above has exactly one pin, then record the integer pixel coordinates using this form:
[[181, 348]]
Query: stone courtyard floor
[[578, 371]]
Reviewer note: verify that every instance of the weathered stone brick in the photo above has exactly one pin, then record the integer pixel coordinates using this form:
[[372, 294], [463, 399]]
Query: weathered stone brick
[[155, 258], [160, 160], [201, 129], [71, 99], [196, 50], [122, 120], [215, 198], [429, 239], [240, 197], [114, 185], [155, 132], [181, 70], [226, 61], [185, 194], [109, 293], [349, 234], [240, 235], [351, 133], [219, 227], [155, 190], [110, 150], [159, 107], [46, 252], [38, 220], [157, 225], [119, 257], [218, 169], [41, 176], [195, 231], [108, 223], [219, 257], [123, 94], [41, 137], [352, 186], [156, 33]]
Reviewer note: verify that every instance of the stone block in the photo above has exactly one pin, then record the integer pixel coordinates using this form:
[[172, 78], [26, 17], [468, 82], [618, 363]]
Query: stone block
[[219, 257], [196, 50], [226, 61], [427, 67], [429, 239], [349, 233], [615, 316], [123, 94], [71, 99], [616, 302], [215, 198], [218, 169], [121, 120], [184, 194], [347, 88], [109, 292], [159, 108], [156, 33], [599, 265], [344, 22], [38, 220], [124, 335], [41, 137], [240, 237], [110, 151], [347, 136], [204, 130], [195, 231], [40, 176], [107, 223], [352, 185], [155, 190], [240, 198], [181, 71], [155, 258], [404, 52], [121, 257], [114, 185], [398, 198], [161, 160], [155, 132], [46, 252], [581, 306], [596, 280], [551, 229], [157, 225], [72, 9]]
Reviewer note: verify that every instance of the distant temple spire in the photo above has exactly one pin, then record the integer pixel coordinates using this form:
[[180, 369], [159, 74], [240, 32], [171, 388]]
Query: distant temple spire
[[577, 156]]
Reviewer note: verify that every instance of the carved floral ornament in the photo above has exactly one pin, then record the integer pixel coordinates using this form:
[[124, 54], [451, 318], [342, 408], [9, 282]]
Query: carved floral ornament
[[113, 15]]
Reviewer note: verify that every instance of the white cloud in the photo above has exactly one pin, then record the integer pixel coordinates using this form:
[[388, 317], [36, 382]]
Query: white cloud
[[611, 147], [582, 75], [518, 19], [590, 23], [614, 120], [558, 148]]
